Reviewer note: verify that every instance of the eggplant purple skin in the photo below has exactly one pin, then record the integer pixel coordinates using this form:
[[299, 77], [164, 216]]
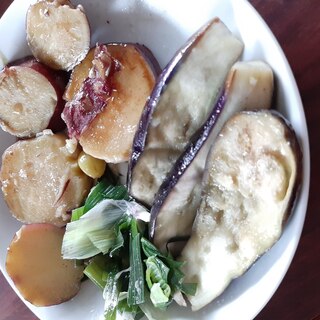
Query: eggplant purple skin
[[149, 57], [165, 76], [184, 161]]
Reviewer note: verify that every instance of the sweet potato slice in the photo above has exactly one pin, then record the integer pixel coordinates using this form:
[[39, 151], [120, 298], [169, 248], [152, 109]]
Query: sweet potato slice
[[31, 98], [36, 267], [58, 34], [41, 181], [78, 76], [105, 112], [253, 172]]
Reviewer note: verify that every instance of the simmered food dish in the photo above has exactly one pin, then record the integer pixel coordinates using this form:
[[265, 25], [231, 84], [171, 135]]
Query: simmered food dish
[[212, 173]]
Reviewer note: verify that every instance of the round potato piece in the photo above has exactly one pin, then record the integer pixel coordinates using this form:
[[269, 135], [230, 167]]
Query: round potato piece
[[36, 267], [30, 98], [57, 33], [41, 181], [110, 135]]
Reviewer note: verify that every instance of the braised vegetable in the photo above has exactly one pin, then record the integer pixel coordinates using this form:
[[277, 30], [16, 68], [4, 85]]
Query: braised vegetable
[[37, 269], [130, 270], [249, 85], [180, 103], [105, 112], [31, 98], [251, 180], [41, 181], [58, 34]]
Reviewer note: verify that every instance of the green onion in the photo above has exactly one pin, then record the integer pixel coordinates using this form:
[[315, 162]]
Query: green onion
[[108, 229], [136, 281], [156, 271], [103, 190], [111, 294], [96, 231], [176, 276], [159, 296], [96, 271], [77, 213]]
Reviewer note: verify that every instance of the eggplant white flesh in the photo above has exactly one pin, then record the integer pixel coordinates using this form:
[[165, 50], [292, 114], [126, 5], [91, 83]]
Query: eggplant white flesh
[[179, 104], [249, 85], [252, 176], [58, 34], [41, 180]]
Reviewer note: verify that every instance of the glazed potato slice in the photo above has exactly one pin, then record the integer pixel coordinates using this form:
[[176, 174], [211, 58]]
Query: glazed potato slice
[[78, 76], [58, 34], [252, 175], [36, 267], [104, 114], [31, 98], [41, 181]]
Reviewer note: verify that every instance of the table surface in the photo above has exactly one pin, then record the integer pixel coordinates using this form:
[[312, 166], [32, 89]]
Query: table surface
[[296, 25]]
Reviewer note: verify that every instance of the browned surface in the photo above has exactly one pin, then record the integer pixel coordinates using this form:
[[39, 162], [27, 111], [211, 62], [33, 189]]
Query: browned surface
[[296, 25]]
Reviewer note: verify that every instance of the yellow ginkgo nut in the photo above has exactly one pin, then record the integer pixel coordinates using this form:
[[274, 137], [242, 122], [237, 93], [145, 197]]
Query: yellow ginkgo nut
[[91, 166]]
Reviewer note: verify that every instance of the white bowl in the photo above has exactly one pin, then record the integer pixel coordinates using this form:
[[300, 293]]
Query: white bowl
[[164, 26]]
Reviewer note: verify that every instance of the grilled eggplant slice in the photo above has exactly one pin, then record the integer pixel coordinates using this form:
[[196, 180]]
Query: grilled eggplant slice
[[179, 104], [41, 180], [249, 85], [252, 176]]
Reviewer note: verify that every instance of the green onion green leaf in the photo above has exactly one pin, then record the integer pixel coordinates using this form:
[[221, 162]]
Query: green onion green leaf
[[136, 281]]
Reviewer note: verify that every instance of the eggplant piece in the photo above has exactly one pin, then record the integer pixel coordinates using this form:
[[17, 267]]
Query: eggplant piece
[[41, 180], [105, 112], [31, 98], [252, 176], [249, 85], [36, 267], [179, 104], [58, 33]]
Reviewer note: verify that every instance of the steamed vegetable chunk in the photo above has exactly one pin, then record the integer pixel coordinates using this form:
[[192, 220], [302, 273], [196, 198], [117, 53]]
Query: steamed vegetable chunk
[[104, 113], [36, 267], [251, 179], [109, 230], [31, 98], [58, 34], [180, 103], [41, 180], [248, 85]]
